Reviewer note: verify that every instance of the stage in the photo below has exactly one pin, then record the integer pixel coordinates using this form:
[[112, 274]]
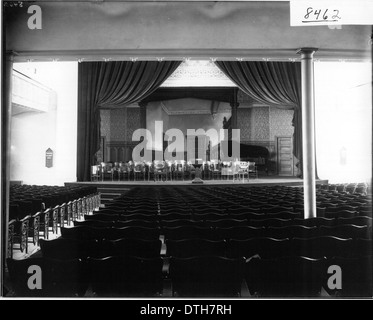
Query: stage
[[112, 189]]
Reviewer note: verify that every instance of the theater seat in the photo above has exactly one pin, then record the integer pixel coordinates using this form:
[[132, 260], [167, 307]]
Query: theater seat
[[207, 276], [138, 216], [58, 278], [293, 277], [356, 277], [94, 223], [324, 246], [266, 248], [175, 216], [19, 276], [137, 247], [84, 233], [270, 222], [67, 249], [240, 233], [209, 216], [133, 233], [121, 276], [363, 247], [358, 221], [336, 213], [137, 223], [187, 232], [66, 278], [294, 231], [182, 223], [226, 223], [317, 222], [102, 217], [195, 247], [345, 231]]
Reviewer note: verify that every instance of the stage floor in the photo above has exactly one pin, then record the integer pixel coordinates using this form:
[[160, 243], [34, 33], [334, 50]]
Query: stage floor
[[111, 189], [261, 181]]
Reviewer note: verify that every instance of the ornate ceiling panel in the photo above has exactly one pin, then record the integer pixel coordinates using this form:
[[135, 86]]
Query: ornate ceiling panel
[[198, 73]]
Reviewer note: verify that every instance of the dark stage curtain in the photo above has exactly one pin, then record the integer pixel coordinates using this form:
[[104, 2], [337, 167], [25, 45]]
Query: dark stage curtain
[[272, 83], [112, 84]]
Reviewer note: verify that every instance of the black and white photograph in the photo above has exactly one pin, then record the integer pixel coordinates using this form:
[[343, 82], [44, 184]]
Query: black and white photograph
[[186, 155]]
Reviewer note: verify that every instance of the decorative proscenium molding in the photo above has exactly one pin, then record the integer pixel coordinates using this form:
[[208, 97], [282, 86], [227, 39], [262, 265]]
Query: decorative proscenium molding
[[164, 108], [354, 55], [198, 73], [192, 112]]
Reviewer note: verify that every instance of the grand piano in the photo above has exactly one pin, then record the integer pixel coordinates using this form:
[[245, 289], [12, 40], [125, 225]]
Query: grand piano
[[258, 154]]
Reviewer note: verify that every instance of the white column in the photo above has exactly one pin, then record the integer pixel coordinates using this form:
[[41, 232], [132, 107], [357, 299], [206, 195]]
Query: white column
[[308, 132]]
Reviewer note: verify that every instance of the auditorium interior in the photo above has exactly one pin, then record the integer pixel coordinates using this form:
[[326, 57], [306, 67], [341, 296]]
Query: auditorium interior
[[121, 124]]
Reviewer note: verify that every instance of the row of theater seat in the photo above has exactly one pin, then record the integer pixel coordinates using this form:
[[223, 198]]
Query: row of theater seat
[[283, 193], [28, 199], [105, 220], [211, 276], [214, 233], [226, 208], [129, 276], [265, 247], [224, 200], [358, 187], [213, 219], [209, 214], [69, 203]]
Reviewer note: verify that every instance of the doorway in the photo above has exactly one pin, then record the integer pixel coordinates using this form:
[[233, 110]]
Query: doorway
[[285, 162]]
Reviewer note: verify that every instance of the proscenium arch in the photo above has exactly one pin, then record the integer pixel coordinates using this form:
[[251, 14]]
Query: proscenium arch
[[221, 94]]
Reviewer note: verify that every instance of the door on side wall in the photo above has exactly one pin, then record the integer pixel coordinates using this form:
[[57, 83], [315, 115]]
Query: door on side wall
[[285, 162]]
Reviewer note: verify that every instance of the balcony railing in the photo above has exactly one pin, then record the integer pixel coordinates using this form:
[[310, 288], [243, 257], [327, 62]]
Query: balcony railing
[[31, 94]]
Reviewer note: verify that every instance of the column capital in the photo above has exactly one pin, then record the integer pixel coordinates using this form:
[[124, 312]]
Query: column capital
[[307, 51]]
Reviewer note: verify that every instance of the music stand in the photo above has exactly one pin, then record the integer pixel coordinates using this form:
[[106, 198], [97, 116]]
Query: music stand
[[197, 166]]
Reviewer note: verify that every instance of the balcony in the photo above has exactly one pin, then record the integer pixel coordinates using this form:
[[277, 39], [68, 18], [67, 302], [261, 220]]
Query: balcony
[[29, 95]]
